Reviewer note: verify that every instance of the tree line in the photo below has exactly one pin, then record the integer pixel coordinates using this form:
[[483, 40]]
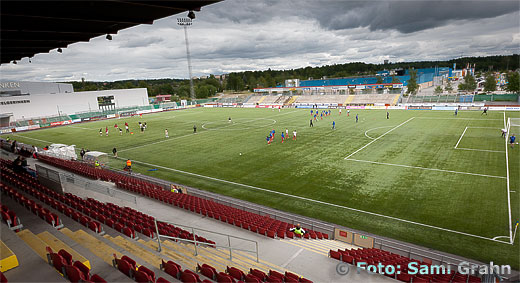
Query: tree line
[[248, 80]]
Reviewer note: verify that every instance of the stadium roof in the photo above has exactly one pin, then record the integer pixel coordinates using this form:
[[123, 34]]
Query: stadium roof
[[31, 27]]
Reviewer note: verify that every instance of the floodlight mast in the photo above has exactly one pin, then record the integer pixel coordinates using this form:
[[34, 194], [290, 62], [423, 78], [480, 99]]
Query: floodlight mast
[[185, 22]]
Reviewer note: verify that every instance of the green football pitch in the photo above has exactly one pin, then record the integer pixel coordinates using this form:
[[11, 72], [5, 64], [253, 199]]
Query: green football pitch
[[424, 177]]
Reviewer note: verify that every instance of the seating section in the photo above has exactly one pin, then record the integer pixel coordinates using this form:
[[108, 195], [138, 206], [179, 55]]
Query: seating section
[[73, 270], [9, 217], [375, 256], [261, 224]]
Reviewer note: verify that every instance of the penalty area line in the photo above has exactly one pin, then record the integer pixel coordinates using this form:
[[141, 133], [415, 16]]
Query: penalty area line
[[425, 168], [315, 201]]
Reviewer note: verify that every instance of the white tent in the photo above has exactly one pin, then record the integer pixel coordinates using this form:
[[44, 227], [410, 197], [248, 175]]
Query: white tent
[[62, 151]]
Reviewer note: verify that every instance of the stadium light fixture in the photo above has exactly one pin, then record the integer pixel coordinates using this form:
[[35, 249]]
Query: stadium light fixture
[[191, 14], [109, 37], [60, 50], [185, 22]]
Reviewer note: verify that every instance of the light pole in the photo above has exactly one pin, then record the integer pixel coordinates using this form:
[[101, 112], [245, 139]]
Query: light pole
[[185, 22]]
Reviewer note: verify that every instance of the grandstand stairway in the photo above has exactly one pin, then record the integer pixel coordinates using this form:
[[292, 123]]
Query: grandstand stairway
[[321, 247], [291, 100], [349, 99]]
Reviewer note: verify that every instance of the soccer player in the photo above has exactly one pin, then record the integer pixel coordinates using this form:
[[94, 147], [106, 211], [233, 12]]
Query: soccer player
[[194, 129], [120, 131], [333, 125], [321, 115], [504, 132], [229, 120], [114, 151], [106, 130], [340, 111], [126, 127], [101, 132], [387, 115], [348, 112], [485, 111], [456, 111], [311, 112], [115, 125], [268, 139], [311, 125], [142, 128], [294, 135], [166, 133], [286, 133], [356, 118], [512, 139], [283, 137]]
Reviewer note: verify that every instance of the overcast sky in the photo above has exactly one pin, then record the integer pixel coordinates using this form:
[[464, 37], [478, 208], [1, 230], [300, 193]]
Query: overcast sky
[[239, 35]]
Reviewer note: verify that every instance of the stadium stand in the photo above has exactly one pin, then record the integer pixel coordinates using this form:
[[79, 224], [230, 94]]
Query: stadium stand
[[261, 224], [376, 256], [76, 268]]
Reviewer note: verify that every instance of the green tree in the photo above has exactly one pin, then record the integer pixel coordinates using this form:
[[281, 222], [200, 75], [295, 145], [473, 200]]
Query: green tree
[[469, 83], [513, 82], [490, 83], [448, 87], [438, 90], [412, 83]]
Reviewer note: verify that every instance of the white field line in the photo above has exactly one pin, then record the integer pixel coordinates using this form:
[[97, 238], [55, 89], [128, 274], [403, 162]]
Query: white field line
[[465, 129], [440, 118], [374, 129], [484, 128], [379, 137], [174, 138], [49, 142], [484, 150], [507, 183], [315, 201], [431, 169], [71, 126]]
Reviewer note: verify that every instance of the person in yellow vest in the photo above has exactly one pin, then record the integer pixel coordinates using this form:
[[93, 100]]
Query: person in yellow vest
[[298, 230], [128, 165], [96, 164]]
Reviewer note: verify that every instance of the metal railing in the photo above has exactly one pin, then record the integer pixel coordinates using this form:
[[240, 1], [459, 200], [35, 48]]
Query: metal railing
[[195, 242], [67, 178]]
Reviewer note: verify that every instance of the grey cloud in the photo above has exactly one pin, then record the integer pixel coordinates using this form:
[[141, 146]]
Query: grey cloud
[[141, 42]]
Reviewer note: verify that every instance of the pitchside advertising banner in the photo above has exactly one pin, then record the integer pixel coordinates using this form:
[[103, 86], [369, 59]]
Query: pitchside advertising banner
[[419, 107]]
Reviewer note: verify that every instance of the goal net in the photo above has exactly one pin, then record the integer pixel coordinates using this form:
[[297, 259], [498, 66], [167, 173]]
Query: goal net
[[513, 128]]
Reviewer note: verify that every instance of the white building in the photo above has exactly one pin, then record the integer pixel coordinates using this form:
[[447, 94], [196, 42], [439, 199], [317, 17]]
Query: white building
[[25, 100]]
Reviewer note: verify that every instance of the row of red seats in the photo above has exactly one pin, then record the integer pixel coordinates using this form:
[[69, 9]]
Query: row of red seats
[[232, 275], [373, 256], [32, 206], [74, 271], [141, 273], [50, 197], [263, 225], [126, 220], [10, 218]]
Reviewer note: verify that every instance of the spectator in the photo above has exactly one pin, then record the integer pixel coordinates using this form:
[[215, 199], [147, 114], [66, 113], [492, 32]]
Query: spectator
[[114, 151], [82, 153], [298, 230]]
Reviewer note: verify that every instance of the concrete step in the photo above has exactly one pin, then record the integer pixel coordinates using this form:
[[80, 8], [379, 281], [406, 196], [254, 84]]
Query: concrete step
[[57, 245], [37, 244], [97, 247], [8, 259], [132, 247], [301, 244], [184, 260]]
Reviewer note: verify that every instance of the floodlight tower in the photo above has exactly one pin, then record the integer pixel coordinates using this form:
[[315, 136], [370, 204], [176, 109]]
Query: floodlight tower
[[185, 22]]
